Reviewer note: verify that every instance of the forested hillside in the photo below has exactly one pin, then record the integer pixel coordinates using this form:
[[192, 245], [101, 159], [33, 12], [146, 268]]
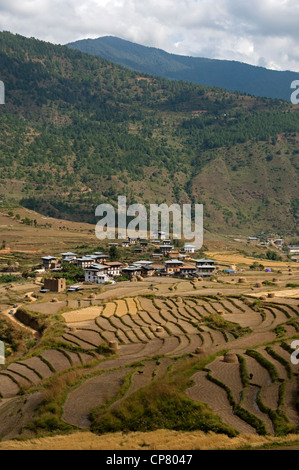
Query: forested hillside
[[77, 130]]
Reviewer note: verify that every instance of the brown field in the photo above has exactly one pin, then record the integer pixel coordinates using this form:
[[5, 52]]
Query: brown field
[[84, 314], [156, 326], [155, 440]]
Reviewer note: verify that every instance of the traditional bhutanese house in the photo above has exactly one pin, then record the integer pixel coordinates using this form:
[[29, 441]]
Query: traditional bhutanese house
[[147, 268], [69, 260], [187, 270], [205, 267], [173, 254], [113, 244], [143, 262], [97, 273], [167, 241], [101, 258], [68, 256], [252, 239], [49, 262], [183, 256], [125, 243], [155, 242], [85, 261], [132, 271], [156, 255], [279, 242], [293, 250], [189, 248], [144, 245], [114, 268], [165, 249], [138, 250], [147, 271], [132, 241], [173, 266]]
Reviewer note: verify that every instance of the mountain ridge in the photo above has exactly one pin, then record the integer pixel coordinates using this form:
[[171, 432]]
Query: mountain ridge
[[229, 74]]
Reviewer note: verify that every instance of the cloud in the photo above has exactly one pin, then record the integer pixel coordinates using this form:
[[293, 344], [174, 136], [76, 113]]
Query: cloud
[[259, 32]]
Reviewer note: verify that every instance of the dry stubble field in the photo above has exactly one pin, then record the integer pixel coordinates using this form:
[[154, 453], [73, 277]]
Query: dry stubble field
[[163, 329]]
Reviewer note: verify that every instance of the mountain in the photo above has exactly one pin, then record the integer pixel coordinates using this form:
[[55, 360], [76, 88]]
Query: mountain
[[79, 130], [231, 75]]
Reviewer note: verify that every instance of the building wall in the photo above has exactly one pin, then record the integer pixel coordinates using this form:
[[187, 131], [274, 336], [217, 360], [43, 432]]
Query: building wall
[[55, 285]]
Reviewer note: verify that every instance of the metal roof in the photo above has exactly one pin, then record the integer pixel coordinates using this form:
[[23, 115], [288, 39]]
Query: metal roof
[[96, 267], [203, 260], [174, 261]]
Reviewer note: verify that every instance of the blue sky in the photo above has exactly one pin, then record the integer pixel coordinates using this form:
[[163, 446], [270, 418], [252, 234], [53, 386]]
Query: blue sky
[[259, 32]]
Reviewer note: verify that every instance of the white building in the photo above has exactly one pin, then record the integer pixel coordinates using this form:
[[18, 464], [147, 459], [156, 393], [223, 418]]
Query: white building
[[97, 273], [114, 268], [294, 250], [85, 261], [189, 248]]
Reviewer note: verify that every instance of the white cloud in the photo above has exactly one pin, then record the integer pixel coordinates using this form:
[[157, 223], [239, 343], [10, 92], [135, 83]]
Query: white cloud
[[260, 32]]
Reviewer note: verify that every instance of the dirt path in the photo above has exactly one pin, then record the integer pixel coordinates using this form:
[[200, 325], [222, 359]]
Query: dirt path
[[11, 316]]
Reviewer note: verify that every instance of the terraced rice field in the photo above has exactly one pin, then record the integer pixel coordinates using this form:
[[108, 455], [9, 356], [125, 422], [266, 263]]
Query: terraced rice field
[[256, 392]]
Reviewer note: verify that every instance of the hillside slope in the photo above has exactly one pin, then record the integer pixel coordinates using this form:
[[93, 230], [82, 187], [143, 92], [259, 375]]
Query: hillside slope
[[231, 75], [78, 130]]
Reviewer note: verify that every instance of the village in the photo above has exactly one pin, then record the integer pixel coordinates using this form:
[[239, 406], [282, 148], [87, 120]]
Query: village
[[99, 269]]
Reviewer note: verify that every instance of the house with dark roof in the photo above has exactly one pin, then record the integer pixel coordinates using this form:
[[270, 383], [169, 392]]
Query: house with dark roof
[[49, 262], [173, 266], [114, 268], [205, 267], [132, 271], [165, 249], [97, 273]]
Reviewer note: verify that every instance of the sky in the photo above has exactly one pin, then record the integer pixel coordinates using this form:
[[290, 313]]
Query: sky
[[258, 32]]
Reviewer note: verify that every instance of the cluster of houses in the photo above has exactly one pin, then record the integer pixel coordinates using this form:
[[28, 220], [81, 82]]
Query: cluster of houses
[[276, 242], [98, 269]]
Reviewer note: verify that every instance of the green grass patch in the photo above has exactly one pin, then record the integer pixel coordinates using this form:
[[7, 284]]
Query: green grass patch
[[280, 359], [160, 405], [264, 363], [279, 330], [217, 322]]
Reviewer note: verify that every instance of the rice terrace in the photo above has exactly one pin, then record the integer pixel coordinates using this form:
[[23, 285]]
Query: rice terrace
[[160, 363]]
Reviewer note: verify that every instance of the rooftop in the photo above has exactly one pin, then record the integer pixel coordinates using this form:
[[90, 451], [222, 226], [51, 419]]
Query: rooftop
[[203, 260], [174, 261], [96, 267]]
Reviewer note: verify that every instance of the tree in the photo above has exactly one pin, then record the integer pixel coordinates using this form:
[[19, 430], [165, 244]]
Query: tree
[[113, 253]]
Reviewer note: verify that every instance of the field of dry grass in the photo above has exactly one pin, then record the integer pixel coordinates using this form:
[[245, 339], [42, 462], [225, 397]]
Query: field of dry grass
[[155, 440]]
